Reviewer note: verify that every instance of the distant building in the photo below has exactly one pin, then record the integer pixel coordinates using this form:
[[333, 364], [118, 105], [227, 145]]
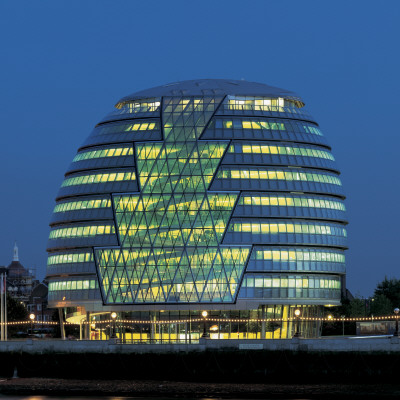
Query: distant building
[[38, 303], [20, 280]]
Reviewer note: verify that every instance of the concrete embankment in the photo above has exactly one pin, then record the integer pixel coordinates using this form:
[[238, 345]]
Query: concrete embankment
[[297, 360]]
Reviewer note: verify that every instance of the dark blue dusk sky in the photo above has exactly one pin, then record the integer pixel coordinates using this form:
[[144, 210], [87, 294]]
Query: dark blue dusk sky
[[64, 64]]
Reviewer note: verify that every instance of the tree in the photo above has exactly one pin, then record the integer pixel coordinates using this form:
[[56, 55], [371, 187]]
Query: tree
[[381, 306], [16, 311], [357, 308], [390, 288]]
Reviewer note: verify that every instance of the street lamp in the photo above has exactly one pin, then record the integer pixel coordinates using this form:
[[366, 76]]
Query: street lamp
[[114, 317], [204, 315], [396, 332], [297, 313], [32, 318]]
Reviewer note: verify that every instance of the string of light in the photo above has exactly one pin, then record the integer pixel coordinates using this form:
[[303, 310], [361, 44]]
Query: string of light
[[219, 320]]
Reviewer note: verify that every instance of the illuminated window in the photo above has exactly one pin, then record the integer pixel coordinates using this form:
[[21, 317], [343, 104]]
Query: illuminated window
[[275, 228], [299, 255], [97, 178], [81, 231], [278, 175], [269, 125], [240, 148], [69, 258], [82, 205], [292, 281], [128, 127], [262, 104], [112, 152], [73, 285]]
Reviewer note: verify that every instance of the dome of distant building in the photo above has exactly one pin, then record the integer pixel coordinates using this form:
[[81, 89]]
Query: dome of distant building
[[209, 194], [16, 269]]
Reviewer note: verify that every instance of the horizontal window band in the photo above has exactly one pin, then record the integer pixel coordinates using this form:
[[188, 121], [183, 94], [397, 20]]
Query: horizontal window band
[[127, 120], [79, 205], [82, 231], [276, 142], [282, 200], [104, 177], [226, 113]]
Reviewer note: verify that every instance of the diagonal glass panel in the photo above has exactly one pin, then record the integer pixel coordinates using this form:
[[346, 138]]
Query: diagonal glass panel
[[171, 232]]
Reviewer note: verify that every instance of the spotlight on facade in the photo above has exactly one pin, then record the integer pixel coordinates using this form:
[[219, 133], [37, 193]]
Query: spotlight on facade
[[297, 313], [205, 334], [330, 317], [214, 328], [113, 332]]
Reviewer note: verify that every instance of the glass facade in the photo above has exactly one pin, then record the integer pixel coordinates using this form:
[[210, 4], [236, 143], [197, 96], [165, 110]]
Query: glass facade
[[201, 195]]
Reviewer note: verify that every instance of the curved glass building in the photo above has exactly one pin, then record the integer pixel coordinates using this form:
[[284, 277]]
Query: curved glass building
[[214, 195]]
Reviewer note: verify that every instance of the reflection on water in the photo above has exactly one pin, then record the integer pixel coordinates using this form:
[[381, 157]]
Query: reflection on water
[[6, 397], [10, 397]]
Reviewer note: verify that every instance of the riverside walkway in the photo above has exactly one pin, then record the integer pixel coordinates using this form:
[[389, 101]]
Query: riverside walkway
[[386, 344]]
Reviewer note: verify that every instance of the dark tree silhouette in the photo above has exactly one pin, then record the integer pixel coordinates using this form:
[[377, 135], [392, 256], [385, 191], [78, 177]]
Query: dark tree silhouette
[[390, 288]]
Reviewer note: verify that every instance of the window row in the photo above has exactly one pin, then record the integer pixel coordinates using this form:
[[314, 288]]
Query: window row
[[99, 153], [239, 148], [275, 228], [298, 266], [139, 107], [131, 127], [267, 124], [294, 255], [73, 285], [278, 175], [82, 231], [333, 295], [291, 281], [259, 103], [99, 178], [290, 201], [69, 258], [82, 205]]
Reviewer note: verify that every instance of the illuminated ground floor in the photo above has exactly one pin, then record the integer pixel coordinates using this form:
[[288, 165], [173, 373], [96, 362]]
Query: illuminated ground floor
[[267, 322]]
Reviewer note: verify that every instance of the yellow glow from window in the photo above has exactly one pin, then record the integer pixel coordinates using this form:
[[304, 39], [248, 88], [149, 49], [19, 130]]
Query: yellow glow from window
[[96, 178], [299, 254], [261, 104], [110, 152], [70, 258], [275, 228], [81, 231], [82, 205], [280, 175], [284, 150]]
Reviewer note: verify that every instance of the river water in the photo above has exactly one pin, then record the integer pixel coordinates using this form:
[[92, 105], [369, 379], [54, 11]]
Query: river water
[[7, 397]]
